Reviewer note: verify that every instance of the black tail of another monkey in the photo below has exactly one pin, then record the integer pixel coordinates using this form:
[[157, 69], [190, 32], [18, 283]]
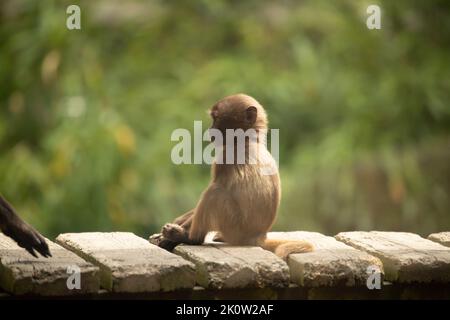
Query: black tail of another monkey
[[17, 229]]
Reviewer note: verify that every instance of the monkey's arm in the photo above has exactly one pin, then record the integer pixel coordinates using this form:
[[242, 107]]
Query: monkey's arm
[[24, 234], [185, 219], [194, 229]]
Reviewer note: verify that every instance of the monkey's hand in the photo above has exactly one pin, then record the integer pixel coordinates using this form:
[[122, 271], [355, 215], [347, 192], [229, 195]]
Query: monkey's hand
[[24, 234], [175, 232], [155, 238], [158, 240], [27, 237]]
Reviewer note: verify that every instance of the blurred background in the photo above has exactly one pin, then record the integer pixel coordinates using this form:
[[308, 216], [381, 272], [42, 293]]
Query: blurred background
[[364, 115]]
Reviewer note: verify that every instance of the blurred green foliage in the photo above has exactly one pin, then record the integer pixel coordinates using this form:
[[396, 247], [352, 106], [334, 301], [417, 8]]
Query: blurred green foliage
[[364, 115]]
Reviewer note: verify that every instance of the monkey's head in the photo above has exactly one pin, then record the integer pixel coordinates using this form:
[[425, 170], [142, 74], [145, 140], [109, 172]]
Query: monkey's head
[[238, 111]]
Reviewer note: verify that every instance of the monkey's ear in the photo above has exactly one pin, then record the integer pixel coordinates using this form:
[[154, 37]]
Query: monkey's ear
[[251, 113]]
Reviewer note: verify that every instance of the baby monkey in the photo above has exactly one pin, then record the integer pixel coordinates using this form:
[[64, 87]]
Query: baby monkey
[[243, 197]]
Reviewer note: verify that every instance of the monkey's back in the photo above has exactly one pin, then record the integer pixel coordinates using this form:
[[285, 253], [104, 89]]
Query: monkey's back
[[251, 198]]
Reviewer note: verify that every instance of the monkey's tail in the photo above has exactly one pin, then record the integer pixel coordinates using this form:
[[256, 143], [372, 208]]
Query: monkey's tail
[[283, 248]]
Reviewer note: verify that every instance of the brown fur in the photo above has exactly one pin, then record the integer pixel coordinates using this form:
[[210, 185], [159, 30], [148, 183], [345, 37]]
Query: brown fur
[[240, 202]]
